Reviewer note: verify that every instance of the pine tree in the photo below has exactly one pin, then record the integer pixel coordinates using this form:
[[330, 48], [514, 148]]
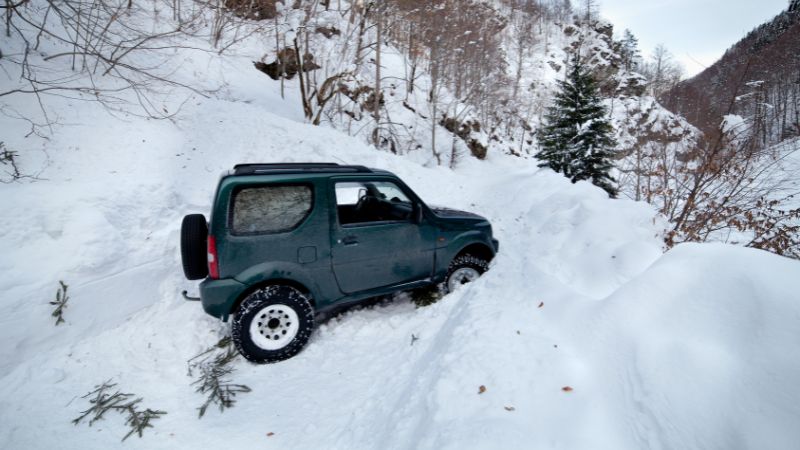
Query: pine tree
[[577, 138], [630, 51]]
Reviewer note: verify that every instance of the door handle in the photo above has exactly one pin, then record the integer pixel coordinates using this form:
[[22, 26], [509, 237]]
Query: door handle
[[349, 240]]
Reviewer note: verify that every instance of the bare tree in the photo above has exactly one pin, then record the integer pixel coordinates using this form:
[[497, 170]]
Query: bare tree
[[662, 71], [727, 189], [522, 22], [108, 49], [591, 10], [379, 12]]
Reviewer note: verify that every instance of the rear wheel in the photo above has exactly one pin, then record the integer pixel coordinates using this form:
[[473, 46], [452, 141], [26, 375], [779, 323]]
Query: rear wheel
[[194, 250], [273, 324], [464, 269]]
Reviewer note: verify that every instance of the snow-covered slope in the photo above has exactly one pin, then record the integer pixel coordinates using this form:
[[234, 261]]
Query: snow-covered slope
[[697, 351], [693, 349]]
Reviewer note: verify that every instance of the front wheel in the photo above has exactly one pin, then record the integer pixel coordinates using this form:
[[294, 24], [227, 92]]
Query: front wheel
[[464, 269], [272, 324]]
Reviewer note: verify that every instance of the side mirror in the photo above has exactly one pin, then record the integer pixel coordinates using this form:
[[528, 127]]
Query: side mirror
[[417, 213]]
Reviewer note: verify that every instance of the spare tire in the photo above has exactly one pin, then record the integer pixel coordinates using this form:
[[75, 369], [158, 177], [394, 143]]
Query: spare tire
[[194, 242]]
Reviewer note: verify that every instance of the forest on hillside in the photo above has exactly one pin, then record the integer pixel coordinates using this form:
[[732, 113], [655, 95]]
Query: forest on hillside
[[757, 78], [443, 80]]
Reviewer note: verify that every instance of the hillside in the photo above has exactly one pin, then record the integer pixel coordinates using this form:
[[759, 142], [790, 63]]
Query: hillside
[[584, 333], [618, 322], [757, 78]]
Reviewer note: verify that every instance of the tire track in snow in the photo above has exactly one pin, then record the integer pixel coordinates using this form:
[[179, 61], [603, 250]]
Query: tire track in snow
[[406, 409]]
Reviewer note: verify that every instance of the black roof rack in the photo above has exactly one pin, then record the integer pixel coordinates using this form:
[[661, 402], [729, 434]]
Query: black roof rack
[[254, 169]]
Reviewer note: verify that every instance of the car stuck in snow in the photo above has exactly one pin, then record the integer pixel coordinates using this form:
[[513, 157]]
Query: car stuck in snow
[[288, 241]]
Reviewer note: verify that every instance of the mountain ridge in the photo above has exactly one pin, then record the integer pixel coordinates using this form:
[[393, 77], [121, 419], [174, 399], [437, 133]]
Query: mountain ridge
[[758, 77]]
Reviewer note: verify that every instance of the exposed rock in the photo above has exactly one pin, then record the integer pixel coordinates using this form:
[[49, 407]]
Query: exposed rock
[[253, 9], [463, 130], [604, 28], [287, 60], [631, 84], [369, 103], [363, 96], [328, 32], [477, 149]]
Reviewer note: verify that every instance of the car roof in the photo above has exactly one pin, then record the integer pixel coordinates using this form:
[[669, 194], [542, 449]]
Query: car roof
[[305, 167]]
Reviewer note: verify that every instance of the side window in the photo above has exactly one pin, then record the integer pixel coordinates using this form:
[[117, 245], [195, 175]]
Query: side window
[[270, 209], [349, 193], [360, 202]]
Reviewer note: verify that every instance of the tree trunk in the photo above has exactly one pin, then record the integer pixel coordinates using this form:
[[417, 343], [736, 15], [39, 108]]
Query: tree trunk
[[377, 105], [278, 52], [304, 99]]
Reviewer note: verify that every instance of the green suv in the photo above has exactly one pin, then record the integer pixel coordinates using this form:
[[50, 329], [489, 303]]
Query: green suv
[[287, 242]]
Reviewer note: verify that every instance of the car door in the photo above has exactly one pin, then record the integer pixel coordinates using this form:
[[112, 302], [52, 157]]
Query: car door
[[375, 240]]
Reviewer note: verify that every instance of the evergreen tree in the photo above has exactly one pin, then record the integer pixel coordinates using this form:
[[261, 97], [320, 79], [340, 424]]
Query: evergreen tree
[[630, 51], [577, 138]]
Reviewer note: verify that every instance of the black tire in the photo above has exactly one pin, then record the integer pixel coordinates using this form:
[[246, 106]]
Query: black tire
[[261, 305], [194, 246], [466, 261]]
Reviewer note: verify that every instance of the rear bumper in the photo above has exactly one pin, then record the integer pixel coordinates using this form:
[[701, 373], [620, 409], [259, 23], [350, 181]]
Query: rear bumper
[[219, 296]]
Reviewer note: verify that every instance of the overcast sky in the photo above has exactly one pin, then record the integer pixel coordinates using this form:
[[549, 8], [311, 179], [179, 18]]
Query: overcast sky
[[696, 32]]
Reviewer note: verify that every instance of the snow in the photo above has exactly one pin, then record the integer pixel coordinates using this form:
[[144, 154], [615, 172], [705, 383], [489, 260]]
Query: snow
[[692, 349], [732, 123], [708, 345], [695, 348]]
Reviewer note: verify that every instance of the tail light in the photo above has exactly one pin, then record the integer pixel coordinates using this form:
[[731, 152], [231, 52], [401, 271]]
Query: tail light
[[213, 261]]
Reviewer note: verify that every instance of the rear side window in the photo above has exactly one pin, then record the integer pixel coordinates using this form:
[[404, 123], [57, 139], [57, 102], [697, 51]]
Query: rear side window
[[270, 209]]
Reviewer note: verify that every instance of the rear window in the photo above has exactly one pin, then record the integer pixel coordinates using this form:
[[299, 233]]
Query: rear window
[[270, 209]]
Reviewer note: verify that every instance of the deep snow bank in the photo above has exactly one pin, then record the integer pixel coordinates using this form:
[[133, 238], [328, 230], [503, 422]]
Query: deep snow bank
[[701, 350]]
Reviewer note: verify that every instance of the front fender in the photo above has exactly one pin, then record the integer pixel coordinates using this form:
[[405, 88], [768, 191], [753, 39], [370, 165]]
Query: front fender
[[444, 255]]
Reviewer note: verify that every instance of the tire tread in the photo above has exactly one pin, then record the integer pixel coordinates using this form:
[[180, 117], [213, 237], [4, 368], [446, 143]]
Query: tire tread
[[194, 237], [258, 300], [465, 260]]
